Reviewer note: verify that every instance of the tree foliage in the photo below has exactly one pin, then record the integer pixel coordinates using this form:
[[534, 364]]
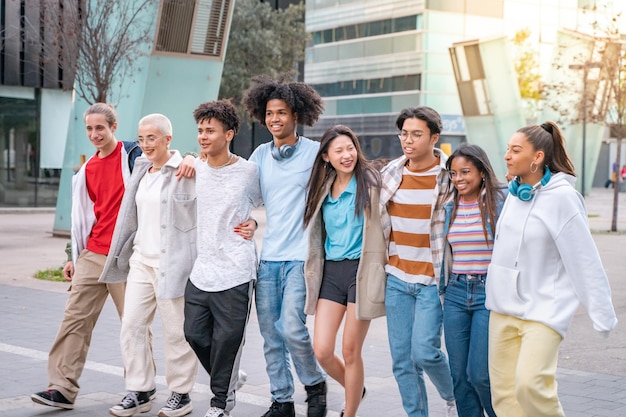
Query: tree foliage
[[262, 41], [526, 64], [589, 62], [600, 71]]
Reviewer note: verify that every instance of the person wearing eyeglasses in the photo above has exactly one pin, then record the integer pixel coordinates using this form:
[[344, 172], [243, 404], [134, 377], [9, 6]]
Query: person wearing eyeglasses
[[471, 217], [414, 190], [153, 249], [154, 280]]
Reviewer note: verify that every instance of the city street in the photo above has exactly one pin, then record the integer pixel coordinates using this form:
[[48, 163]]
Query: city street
[[591, 376]]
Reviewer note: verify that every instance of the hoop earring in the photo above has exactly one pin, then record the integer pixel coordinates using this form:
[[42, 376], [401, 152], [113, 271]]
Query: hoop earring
[[533, 163]]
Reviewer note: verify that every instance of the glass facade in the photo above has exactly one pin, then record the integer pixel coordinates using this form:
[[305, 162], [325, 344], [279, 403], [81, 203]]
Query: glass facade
[[23, 182], [369, 86], [363, 30]]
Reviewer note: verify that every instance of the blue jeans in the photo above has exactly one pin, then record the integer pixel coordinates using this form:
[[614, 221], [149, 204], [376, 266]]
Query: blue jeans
[[466, 326], [280, 294], [414, 319]]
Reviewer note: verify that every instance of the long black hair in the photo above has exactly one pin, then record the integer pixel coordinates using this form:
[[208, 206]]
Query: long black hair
[[490, 189], [366, 175]]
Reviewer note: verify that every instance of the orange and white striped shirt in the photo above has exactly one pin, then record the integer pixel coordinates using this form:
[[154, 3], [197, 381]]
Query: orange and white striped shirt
[[411, 209]]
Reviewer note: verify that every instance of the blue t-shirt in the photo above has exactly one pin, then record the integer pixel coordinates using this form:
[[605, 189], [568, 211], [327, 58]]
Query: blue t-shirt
[[344, 230], [283, 185]]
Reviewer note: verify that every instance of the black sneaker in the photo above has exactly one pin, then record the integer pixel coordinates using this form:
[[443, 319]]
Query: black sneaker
[[281, 410], [316, 399], [53, 398], [176, 406], [134, 402]]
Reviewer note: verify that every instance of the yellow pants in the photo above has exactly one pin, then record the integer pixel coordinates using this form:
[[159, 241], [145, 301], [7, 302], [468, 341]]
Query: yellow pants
[[522, 366]]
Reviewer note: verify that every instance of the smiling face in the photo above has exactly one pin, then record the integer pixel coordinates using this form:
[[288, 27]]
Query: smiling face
[[417, 142], [154, 144], [280, 120], [519, 155], [100, 133], [214, 138], [342, 155], [466, 177]]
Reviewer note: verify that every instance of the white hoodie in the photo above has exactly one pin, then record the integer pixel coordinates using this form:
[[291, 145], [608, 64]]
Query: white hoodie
[[545, 263]]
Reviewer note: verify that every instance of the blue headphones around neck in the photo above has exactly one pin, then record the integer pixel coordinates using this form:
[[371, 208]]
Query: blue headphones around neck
[[285, 151], [526, 192]]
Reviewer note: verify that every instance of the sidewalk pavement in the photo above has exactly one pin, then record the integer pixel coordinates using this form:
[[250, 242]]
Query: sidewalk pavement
[[591, 375]]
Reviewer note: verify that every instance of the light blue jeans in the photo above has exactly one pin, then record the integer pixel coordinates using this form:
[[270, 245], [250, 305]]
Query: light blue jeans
[[280, 294], [414, 321], [466, 326]]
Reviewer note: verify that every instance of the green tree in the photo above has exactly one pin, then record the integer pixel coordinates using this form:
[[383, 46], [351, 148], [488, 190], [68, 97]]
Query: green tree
[[526, 63], [262, 41]]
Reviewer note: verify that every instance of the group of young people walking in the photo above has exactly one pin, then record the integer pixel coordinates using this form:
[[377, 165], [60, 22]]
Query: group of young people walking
[[435, 243]]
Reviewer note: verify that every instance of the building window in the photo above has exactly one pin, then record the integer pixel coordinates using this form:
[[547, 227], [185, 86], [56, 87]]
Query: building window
[[487, 8], [364, 30], [370, 86], [470, 77], [194, 27]]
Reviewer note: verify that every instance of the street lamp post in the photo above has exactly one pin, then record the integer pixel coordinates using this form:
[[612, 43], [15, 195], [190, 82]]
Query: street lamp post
[[585, 67]]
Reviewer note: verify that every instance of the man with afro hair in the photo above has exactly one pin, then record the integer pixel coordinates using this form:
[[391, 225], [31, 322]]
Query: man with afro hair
[[284, 170]]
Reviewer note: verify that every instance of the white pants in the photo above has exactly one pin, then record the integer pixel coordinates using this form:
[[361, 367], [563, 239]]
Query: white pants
[[140, 305]]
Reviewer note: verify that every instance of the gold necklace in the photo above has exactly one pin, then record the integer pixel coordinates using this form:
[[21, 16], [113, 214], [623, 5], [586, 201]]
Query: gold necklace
[[230, 158]]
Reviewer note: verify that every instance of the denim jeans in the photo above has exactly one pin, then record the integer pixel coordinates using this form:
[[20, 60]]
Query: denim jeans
[[280, 294], [466, 327], [414, 319]]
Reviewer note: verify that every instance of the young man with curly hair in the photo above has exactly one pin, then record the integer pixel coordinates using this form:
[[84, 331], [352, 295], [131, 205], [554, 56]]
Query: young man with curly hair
[[218, 294], [284, 169]]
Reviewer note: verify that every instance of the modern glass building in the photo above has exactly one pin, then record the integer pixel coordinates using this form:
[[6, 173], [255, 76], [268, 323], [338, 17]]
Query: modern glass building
[[42, 136], [371, 58]]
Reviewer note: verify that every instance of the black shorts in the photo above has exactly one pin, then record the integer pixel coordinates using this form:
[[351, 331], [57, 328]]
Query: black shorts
[[339, 281]]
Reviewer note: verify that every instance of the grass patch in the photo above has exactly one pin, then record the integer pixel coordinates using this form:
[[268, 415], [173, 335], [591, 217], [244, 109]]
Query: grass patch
[[51, 274]]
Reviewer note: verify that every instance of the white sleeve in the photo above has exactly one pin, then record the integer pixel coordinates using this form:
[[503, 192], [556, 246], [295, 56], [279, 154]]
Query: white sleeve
[[584, 267]]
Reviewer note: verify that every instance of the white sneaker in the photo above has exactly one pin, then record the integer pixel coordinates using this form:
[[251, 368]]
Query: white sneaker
[[216, 412], [450, 408]]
